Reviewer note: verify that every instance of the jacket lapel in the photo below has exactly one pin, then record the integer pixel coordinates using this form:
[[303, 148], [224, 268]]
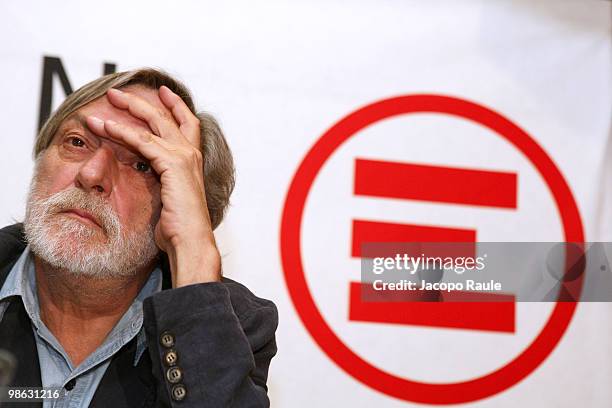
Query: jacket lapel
[[124, 385], [18, 338]]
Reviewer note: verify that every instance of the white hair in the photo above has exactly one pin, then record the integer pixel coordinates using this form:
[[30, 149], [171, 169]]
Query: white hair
[[67, 243]]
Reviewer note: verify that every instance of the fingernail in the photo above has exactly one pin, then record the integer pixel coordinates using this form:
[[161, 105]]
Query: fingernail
[[115, 91], [96, 120]]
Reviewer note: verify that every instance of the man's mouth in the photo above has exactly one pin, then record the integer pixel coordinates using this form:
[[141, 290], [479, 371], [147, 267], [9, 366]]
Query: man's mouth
[[82, 216]]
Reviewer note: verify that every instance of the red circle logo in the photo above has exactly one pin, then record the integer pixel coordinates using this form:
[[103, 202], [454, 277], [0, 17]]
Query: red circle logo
[[290, 241]]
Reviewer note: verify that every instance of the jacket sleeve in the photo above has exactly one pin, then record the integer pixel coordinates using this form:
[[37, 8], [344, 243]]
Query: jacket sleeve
[[223, 338]]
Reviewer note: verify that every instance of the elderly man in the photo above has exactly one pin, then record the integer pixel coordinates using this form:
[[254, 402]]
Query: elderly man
[[112, 287]]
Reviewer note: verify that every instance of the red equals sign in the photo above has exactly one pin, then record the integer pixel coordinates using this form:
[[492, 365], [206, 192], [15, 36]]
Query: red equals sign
[[433, 184]]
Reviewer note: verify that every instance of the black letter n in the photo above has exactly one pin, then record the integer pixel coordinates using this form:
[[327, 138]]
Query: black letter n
[[51, 66]]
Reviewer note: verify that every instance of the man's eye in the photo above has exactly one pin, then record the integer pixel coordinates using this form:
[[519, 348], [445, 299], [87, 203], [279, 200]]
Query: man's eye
[[142, 167], [75, 141]]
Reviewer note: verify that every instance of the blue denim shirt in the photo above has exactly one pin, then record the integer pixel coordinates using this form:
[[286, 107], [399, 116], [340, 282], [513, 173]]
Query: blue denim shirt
[[55, 366]]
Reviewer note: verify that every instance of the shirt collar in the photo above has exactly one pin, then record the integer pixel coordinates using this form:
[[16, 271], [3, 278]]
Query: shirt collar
[[21, 281], [16, 283]]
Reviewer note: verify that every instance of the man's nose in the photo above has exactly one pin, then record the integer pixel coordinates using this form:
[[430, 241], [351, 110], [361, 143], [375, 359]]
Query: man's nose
[[96, 173]]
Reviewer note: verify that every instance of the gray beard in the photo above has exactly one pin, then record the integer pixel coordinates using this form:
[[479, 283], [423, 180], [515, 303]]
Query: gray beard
[[68, 244]]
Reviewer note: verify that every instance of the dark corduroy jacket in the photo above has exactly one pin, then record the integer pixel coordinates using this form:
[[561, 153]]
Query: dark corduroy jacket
[[224, 337]]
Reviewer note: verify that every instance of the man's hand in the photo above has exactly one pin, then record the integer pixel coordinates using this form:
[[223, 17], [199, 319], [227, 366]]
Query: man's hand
[[184, 230]]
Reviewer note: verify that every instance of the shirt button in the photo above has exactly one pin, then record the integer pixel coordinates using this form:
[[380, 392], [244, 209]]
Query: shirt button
[[170, 358], [179, 392], [70, 385], [167, 339], [174, 375]]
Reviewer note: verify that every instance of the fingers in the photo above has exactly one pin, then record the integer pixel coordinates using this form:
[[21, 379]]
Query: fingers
[[145, 143], [96, 125], [161, 153], [157, 119], [189, 124]]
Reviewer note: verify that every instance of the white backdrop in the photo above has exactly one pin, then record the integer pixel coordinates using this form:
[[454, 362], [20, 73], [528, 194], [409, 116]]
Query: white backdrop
[[279, 74]]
